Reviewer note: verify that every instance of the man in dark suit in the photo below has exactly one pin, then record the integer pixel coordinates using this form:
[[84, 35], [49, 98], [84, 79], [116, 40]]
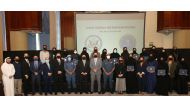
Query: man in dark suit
[[46, 70], [36, 74], [58, 74], [26, 74], [84, 74]]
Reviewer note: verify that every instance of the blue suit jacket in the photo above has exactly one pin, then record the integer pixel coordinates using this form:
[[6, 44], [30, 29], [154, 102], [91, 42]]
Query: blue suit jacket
[[33, 69], [45, 69]]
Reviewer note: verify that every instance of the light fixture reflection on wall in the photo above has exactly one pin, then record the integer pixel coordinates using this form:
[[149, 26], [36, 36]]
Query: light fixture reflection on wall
[[37, 41]]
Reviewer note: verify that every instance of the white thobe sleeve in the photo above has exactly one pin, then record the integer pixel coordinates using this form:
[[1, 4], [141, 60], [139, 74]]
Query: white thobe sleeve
[[4, 70], [12, 70]]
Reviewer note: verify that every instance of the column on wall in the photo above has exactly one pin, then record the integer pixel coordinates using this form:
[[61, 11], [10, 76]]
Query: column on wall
[[1, 44], [182, 38], [52, 16]]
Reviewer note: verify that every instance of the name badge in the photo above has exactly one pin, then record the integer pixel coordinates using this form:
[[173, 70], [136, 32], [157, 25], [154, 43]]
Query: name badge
[[151, 69], [161, 72], [130, 68], [183, 72]]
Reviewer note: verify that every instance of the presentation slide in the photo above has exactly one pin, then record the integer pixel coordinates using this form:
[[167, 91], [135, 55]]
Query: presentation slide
[[110, 31]]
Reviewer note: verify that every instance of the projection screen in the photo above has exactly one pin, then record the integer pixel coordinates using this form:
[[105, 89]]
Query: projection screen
[[110, 31]]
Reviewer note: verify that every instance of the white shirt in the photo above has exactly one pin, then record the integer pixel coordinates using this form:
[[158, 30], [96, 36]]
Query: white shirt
[[84, 62], [59, 61], [95, 60], [27, 61], [44, 55]]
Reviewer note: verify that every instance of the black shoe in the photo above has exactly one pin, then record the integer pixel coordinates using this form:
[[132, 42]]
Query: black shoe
[[75, 90], [86, 92], [80, 92], [99, 92], [45, 94], [55, 93], [112, 92], [62, 92], [91, 92], [103, 92]]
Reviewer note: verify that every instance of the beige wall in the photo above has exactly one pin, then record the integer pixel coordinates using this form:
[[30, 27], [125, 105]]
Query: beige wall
[[182, 39], [151, 34], [1, 45], [18, 40]]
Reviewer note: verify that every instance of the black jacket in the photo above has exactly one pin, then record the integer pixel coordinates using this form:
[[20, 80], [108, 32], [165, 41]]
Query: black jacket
[[25, 69], [57, 67]]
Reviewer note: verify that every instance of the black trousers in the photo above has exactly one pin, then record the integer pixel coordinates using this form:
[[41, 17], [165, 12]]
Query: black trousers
[[47, 84], [84, 83], [182, 85], [59, 81], [26, 86], [36, 81]]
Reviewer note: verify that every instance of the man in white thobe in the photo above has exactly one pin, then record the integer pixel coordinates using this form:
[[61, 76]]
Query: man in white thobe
[[8, 71]]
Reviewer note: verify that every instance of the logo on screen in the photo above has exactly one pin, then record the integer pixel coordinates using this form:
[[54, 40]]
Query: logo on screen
[[128, 41], [93, 41]]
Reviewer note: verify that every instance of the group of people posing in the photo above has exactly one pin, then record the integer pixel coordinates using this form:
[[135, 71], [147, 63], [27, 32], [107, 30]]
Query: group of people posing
[[147, 72]]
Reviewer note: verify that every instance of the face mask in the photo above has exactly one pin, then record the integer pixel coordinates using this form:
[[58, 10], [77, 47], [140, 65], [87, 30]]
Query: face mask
[[121, 61], [83, 58], [17, 60], [58, 57], [151, 58], [170, 59], [44, 48], [69, 59], [35, 59], [95, 56]]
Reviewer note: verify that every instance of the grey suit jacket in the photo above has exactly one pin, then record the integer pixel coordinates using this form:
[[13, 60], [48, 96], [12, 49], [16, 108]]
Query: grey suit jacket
[[97, 66]]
